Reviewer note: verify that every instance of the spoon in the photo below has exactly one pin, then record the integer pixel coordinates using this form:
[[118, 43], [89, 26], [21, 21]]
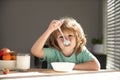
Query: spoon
[[66, 42]]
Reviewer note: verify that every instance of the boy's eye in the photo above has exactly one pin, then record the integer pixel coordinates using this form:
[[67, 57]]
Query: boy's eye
[[60, 36], [70, 35]]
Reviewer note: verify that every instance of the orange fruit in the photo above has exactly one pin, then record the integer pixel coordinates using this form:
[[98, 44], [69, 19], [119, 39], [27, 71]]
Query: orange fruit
[[6, 56]]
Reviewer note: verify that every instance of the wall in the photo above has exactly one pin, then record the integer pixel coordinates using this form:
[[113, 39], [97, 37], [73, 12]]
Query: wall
[[23, 21]]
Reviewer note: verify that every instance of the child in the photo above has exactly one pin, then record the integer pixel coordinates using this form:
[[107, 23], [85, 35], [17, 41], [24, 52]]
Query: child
[[75, 52]]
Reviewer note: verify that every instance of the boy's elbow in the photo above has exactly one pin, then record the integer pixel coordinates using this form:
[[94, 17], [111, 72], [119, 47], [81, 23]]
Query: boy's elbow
[[37, 53], [33, 51], [98, 66]]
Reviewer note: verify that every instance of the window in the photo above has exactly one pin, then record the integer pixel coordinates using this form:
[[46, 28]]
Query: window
[[112, 36]]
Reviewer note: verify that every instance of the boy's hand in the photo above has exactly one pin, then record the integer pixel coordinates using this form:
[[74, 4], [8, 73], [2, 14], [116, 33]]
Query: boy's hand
[[55, 24]]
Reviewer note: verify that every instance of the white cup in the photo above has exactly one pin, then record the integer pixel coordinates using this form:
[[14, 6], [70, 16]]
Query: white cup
[[23, 61]]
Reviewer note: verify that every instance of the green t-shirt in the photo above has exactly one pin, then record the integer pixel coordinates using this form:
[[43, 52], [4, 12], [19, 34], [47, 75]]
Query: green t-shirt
[[53, 55]]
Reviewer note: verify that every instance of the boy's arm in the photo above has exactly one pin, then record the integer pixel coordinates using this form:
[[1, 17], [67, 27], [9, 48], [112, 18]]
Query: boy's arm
[[37, 49], [90, 65]]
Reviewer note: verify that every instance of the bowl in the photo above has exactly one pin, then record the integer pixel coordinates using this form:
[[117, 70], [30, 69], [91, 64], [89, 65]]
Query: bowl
[[9, 64], [63, 66]]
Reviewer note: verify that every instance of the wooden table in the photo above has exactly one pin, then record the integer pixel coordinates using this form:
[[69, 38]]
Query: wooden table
[[49, 74]]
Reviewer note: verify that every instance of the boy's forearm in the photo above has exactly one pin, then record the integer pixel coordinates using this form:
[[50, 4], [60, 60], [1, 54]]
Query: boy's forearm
[[91, 65], [37, 48]]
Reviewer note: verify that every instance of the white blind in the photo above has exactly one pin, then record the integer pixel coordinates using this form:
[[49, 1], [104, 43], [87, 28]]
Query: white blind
[[113, 34]]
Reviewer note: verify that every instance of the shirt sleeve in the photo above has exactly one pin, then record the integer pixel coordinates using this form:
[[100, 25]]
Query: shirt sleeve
[[49, 54], [85, 55]]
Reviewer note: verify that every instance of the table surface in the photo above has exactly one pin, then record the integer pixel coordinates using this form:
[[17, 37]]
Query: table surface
[[47, 74]]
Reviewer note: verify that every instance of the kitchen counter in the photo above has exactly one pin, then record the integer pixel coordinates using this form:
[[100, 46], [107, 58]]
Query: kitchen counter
[[49, 74]]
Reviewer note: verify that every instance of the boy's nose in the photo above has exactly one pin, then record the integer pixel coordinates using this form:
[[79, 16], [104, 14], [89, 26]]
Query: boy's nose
[[67, 38]]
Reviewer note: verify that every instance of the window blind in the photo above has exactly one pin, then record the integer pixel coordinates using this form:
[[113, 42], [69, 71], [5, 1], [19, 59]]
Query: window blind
[[113, 34]]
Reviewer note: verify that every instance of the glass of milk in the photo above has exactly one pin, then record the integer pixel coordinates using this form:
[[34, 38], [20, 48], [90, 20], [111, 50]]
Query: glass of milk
[[23, 61]]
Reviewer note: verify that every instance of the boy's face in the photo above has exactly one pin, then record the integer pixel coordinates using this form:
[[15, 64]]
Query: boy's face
[[69, 36]]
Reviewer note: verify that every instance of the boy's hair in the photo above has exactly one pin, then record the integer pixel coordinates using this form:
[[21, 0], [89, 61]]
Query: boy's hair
[[70, 25]]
